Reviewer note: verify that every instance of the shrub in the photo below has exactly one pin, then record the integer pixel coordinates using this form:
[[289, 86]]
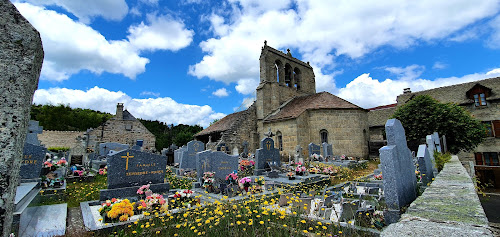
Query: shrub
[[441, 159]]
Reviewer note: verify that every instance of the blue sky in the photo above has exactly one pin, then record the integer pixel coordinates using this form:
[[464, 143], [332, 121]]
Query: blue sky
[[193, 61]]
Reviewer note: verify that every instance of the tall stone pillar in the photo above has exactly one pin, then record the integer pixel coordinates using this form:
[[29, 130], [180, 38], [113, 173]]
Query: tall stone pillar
[[21, 57]]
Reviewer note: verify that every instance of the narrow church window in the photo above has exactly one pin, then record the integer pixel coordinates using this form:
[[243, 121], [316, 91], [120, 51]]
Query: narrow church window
[[324, 135], [479, 99], [278, 66], [288, 75], [280, 140], [296, 78]]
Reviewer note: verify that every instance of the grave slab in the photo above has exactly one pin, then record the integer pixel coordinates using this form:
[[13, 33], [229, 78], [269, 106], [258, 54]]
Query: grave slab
[[47, 220]]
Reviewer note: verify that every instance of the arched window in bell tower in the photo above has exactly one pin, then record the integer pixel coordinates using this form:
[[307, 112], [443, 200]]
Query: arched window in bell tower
[[296, 78], [288, 75], [278, 67]]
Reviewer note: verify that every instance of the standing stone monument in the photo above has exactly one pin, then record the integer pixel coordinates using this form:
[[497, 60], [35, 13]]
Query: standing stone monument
[[314, 149], [298, 154], [437, 142], [327, 150], [425, 165], [188, 157], [218, 162], [129, 169], [178, 153], [431, 147], [398, 170], [244, 154], [21, 57], [266, 153]]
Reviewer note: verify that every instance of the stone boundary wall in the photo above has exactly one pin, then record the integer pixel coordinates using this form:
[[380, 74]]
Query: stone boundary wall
[[449, 207], [51, 138]]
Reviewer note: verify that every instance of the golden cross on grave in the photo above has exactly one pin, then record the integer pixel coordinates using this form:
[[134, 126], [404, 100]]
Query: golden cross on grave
[[127, 156], [268, 144]]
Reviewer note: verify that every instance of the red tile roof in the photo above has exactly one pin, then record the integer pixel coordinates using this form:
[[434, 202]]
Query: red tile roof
[[383, 107], [298, 105], [223, 124]]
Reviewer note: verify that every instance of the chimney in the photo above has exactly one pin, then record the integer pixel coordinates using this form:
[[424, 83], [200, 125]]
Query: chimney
[[406, 91], [119, 111]]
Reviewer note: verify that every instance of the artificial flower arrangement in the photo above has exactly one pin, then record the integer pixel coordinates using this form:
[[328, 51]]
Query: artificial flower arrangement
[[245, 183], [299, 170], [62, 162], [115, 210], [154, 202], [378, 177], [330, 170], [314, 170], [232, 178], [103, 171], [208, 180], [291, 175], [316, 157], [47, 164], [246, 164], [144, 189], [183, 198]]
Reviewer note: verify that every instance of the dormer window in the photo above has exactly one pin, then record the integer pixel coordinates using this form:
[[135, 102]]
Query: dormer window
[[479, 100], [478, 93]]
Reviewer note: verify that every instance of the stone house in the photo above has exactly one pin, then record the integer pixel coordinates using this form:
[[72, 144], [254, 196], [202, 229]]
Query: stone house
[[482, 99], [287, 103], [123, 128]]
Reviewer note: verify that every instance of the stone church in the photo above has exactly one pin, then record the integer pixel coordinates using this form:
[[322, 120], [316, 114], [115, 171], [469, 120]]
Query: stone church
[[288, 105]]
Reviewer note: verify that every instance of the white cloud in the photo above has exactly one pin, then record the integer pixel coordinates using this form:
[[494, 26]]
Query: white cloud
[[146, 93], [247, 102], [222, 92], [164, 109], [71, 46], [163, 32], [494, 39], [247, 86], [439, 65], [85, 10], [368, 92], [150, 2], [321, 31], [406, 73]]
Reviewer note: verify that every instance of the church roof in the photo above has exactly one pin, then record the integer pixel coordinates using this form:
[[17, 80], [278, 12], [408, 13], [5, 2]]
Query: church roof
[[223, 124], [298, 105]]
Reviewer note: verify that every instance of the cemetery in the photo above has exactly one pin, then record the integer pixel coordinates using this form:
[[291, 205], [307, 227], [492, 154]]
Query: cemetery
[[124, 187]]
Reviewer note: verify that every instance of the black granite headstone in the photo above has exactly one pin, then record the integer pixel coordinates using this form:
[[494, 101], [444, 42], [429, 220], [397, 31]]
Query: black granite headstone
[[31, 165], [266, 153]]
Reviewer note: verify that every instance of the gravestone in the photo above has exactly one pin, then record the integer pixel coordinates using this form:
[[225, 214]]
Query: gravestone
[[266, 153], [105, 148], [305, 204], [188, 156], [327, 150], [431, 147], [21, 57], [129, 169], [222, 147], [245, 150], [397, 168], [33, 157], [33, 130], [437, 142], [425, 164], [218, 162], [349, 210], [314, 149], [298, 157], [177, 154]]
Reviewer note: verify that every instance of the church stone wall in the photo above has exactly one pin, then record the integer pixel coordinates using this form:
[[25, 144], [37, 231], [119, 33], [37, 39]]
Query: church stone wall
[[347, 130]]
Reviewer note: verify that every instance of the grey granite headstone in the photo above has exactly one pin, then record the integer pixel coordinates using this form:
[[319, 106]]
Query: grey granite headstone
[[188, 157], [397, 167], [21, 57], [33, 130], [327, 150], [437, 142], [314, 149], [104, 148], [178, 153], [430, 146], [218, 162], [266, 153], [349, 210], [134, 168], [425, 164], [33, 157]]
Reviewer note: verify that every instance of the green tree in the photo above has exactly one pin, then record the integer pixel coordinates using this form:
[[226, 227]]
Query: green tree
[[424, 115]]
